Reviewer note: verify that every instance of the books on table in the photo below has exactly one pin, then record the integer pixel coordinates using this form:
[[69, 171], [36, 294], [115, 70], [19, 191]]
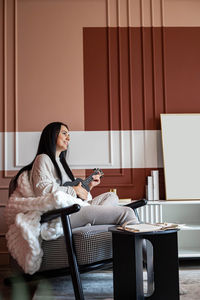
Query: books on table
[[148, 227]]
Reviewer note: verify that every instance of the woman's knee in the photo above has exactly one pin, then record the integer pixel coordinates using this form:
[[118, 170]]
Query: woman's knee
[[113, 198], [108, 198]]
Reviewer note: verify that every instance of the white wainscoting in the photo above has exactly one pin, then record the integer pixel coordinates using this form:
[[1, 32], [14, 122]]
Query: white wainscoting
[[88, 149]]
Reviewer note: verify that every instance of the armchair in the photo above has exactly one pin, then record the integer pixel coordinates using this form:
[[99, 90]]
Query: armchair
[[87, 248]]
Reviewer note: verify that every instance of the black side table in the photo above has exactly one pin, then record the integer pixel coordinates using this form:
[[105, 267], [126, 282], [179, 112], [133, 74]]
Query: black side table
[[128, 265]]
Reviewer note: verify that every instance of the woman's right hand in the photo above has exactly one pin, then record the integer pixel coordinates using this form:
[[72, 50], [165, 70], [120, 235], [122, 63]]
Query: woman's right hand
[[80, 191]]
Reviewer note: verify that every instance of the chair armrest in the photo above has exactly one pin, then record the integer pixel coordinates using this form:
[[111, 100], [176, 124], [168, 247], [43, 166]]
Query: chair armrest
[[53, 214], [137, 203]]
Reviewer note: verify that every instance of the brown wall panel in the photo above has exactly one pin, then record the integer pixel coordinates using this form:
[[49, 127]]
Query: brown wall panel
[[148, 92], [125, 76], [146, 73], [136, 78], [107, 78], [113, 80], [124, 79], [5, 177], [182, 69], [158, 72], [3, 196], [3, 226], [147, 79], [130, 183]]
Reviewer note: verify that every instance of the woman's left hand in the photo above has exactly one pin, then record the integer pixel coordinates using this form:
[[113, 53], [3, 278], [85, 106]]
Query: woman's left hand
[[96, 180]]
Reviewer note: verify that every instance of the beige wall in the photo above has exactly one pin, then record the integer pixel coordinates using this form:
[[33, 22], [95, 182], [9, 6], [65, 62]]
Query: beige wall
[[42, 52], [44, 73]]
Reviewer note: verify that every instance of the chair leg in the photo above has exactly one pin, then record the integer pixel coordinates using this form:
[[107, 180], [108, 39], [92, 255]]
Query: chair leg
[[73, 265], [78, 290], [32, 290]]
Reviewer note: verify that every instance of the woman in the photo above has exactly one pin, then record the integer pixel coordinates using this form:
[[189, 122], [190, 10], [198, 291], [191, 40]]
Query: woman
[[38, 188], [49, 171]]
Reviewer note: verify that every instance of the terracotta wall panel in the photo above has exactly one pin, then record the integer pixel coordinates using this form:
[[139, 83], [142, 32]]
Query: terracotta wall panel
[[134, 98], [182, 69], [3, 226], [148, 92], [3, 196], [113, 80], [130, 183], [159, 73], [4, 179], [113, 99], [137, 79], [124, 79]]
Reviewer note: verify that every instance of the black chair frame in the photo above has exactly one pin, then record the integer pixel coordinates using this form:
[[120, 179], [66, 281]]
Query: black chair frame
[[74, 269]]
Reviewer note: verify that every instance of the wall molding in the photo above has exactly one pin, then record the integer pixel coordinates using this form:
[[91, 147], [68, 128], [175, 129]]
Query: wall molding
[[97, 142], [4, 85], [8, 6]]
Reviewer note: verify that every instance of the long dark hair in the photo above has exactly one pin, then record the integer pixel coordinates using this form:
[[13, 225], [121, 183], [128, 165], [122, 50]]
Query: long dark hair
[[47, 145]]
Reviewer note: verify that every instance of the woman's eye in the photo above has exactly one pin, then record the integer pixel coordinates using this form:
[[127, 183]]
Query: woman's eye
[[65, 133]]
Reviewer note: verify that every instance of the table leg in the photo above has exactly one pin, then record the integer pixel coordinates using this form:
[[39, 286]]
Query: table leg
[[166, 268], [127, 267]]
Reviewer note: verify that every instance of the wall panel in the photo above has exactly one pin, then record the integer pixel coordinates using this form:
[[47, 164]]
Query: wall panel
[[182, 69], [3, 195], [132, 96], [3, 227]]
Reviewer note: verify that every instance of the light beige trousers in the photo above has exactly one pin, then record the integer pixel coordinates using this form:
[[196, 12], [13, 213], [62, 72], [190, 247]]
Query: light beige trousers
[[103, 209]]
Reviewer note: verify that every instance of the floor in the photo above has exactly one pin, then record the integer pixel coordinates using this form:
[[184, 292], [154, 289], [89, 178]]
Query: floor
[[7, 294]]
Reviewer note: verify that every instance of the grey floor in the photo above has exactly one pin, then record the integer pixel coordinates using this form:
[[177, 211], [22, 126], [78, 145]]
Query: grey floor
[[6, 293]]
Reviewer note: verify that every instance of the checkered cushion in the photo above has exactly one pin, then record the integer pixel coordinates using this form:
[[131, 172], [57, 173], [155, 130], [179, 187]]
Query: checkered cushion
[[92, 244]]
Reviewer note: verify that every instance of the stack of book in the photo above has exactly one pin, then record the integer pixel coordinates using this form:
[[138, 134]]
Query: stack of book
[[152, 188]]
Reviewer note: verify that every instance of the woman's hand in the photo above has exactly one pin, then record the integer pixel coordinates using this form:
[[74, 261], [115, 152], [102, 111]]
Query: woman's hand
[[80, 191], [95, 181]]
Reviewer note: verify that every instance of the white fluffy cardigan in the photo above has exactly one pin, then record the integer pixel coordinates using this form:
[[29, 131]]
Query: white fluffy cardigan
[[23, 214]]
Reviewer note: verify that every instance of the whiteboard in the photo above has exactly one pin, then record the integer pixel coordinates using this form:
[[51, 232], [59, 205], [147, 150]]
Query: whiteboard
[[181, 155]]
